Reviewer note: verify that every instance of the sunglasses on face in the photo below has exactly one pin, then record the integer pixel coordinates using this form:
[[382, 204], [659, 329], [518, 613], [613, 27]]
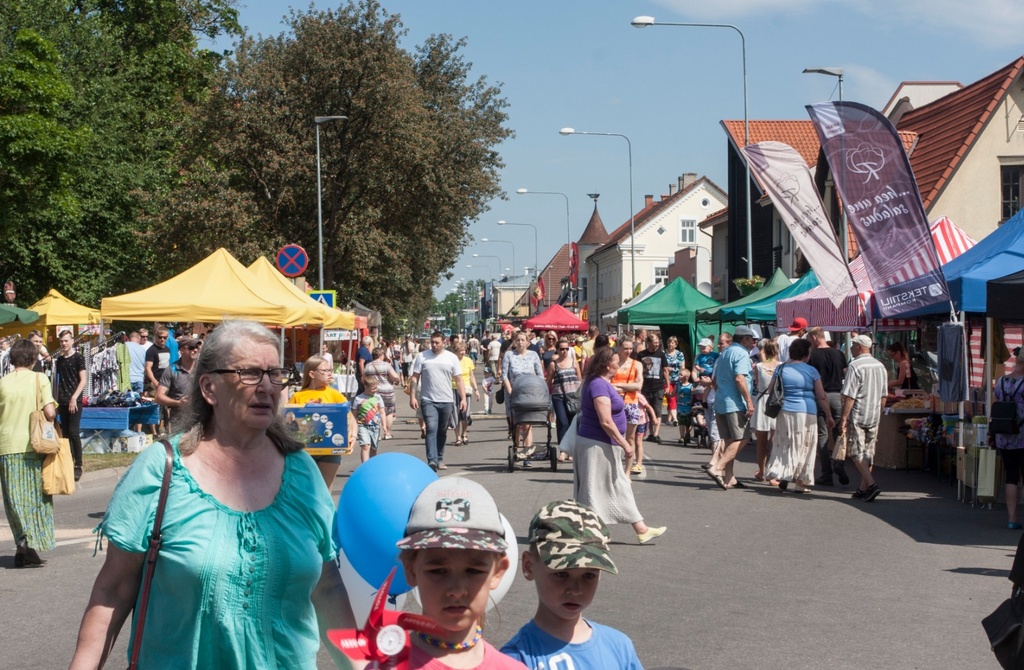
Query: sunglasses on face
[[563, 348]]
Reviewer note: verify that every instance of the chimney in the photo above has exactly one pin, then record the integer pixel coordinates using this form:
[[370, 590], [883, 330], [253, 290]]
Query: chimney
[[648, 200], [686, 180], [671, 190]]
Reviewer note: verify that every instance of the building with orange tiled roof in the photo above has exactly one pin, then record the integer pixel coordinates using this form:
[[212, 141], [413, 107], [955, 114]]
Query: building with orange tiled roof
[[661, 228]]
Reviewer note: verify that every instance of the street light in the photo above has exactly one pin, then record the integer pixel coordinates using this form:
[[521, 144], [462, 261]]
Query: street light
[[837, 72], [632, 227], [568, 232], [645, 21], [535, 243], [319, 194], [497, 258], [484, 239]]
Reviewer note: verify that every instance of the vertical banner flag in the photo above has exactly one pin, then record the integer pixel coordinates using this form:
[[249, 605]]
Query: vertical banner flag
[[788, 182], [574, 264], [883, 206]]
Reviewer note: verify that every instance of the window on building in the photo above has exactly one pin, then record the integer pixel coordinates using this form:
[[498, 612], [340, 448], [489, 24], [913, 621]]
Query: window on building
[[687, 231], [1011, 180], [660, 275], [583, 296]]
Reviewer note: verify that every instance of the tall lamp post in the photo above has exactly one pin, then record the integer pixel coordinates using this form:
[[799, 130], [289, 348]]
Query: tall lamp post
[[484, 239], [568, 230], [497, 258], [645, 21], [536, 269], [632, 227], [837, 72], [319, 193]]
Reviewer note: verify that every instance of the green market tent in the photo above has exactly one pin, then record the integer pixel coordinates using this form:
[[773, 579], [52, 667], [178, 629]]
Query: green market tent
[[673, 310], [735, 311], [10, 313], [763, 311]]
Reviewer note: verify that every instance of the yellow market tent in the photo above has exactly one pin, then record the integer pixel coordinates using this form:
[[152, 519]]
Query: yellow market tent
[[215, 289], [333, 318], [54, 310]]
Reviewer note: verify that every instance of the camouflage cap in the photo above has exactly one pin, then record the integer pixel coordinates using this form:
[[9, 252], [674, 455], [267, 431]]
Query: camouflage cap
[[569, 535], [454, 513]]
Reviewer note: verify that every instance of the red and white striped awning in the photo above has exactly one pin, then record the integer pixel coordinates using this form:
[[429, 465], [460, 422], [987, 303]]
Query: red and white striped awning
[[817, 308]]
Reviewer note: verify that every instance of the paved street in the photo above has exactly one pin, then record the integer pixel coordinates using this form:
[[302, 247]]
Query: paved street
[[742, 579]]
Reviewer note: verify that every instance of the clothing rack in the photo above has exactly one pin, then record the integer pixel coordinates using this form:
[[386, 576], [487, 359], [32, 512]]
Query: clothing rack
[[88, 354]]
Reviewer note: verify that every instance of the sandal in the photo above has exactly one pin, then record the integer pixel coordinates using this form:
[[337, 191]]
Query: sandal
[[458, 443]]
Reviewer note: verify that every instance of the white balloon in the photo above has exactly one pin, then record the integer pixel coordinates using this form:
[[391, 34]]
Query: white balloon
[[510, 575], [361, 594]]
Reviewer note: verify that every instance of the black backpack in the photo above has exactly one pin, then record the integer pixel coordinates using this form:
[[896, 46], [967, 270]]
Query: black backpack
[[1004, 420]]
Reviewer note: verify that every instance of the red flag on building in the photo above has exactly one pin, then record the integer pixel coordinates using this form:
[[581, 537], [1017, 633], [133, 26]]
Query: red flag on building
[[574, 264]]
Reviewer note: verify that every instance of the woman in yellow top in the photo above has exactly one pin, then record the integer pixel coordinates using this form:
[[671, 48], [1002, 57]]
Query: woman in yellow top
[[463, 420], [317, 374]]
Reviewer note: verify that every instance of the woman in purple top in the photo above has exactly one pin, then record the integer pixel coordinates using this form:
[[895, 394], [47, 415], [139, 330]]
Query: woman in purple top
[[598, 478]]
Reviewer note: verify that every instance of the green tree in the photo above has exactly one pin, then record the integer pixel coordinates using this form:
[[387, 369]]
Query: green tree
[[403, 177]]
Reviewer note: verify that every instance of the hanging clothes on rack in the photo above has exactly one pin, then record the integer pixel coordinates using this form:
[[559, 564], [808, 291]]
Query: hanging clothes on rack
[[5, 362]]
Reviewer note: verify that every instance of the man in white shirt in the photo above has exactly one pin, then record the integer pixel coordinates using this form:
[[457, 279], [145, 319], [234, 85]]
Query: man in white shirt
[[864, 391], [434, 371], [797, 329], [494, 353]]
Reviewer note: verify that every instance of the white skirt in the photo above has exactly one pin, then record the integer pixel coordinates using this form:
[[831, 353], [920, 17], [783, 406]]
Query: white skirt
[[795, 448], [599, 481]]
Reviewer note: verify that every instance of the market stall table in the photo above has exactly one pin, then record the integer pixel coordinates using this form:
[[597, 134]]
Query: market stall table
[[891, 446], [106, 423]]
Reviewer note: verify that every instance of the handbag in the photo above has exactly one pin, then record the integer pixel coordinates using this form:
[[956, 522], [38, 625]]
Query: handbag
[[568, 443], [499, 395], [773, 404], [839, 450], [1006, 632], [1004, 420], [572, 401], [152, 553], [59, 471], [42, 433]]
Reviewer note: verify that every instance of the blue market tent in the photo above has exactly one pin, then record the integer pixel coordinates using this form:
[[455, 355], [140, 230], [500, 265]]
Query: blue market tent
[[1000, 254], [763, 311]]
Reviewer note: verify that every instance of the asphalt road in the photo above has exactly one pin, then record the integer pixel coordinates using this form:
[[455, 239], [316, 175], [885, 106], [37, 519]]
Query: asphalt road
[[743, 579]]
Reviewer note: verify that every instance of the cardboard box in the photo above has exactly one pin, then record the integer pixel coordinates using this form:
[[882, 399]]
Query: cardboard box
[[131, 444], [323, 427]]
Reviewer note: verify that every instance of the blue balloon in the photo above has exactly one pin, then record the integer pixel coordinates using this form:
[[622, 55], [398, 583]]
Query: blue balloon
[[372, 512]]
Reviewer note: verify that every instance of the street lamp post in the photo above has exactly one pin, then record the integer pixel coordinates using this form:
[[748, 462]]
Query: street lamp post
[[837, 72], [536, 269], [645, 21], [568, 230], [484, 239], [319, 194], [497, 258], [632, 227]]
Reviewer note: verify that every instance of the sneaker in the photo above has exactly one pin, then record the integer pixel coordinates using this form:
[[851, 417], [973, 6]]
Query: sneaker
[[859, 495], [872, 493], [823, 481], [433, 466], [839, 468], [78, 472], [651, 533], [527, 464], [656, 439], [442, 466]]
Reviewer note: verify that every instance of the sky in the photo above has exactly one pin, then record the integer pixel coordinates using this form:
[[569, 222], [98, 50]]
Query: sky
[[580, 64]]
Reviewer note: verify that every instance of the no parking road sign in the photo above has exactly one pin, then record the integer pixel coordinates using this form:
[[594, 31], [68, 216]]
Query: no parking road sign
[[292, 260], [326, 298]]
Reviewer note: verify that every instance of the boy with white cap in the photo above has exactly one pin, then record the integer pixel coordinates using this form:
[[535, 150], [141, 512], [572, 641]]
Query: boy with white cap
[[568, 550]]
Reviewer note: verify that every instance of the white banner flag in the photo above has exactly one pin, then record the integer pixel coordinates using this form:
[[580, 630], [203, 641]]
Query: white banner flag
[[784, 175]]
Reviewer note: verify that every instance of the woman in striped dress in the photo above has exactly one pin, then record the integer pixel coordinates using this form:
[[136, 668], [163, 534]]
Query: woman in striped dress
[[29, 510]]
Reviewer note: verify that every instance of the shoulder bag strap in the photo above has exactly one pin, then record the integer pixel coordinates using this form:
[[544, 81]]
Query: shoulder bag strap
[[155, 540], [39, 394]]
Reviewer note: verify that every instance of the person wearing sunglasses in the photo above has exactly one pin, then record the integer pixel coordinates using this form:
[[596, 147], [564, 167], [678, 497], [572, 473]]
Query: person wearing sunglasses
[[176, 383], [158, 359], [317, 375], [246, 530]]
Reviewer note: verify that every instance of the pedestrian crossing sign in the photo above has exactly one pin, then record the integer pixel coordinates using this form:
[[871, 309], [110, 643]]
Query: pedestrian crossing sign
[[325, 298]]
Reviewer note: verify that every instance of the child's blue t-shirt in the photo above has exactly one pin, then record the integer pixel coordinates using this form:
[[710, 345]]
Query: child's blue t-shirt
[[684, 399], [606, 648]]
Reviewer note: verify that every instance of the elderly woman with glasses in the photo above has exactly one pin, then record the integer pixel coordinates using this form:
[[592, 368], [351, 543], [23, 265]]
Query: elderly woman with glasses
[[247, 574], [317, 374]]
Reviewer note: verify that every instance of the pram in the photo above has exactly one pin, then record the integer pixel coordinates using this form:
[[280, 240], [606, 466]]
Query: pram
[[530, 403], [698, 421]]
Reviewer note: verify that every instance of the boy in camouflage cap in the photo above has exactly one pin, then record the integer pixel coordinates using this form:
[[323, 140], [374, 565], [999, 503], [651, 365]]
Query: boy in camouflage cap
[[568, 550]]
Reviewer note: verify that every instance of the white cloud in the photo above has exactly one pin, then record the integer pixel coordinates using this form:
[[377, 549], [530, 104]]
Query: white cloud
[[993, 23]]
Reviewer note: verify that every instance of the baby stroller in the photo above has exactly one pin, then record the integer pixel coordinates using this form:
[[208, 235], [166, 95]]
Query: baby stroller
[[698, 421], [530, 402]]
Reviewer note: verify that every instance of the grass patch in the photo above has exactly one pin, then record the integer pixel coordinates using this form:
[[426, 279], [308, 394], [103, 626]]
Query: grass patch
[[94, 462]]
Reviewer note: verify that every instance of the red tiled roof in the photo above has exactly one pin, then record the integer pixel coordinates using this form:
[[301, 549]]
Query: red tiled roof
[[650, 211], [946, 128], [552, 274], [595, 232], [798, 134]]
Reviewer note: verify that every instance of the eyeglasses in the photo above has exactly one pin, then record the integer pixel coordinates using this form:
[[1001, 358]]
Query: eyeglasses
[[563, 348], [161, 337], [253, 376], [328, 371]]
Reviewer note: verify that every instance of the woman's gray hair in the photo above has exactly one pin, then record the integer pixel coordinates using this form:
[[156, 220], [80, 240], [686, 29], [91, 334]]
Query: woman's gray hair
[[219, 347]]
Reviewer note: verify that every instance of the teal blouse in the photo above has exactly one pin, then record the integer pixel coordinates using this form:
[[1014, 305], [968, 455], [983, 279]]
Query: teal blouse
[[231, 589]]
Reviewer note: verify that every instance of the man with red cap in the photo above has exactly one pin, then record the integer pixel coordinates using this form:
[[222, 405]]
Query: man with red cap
[[797, 329]]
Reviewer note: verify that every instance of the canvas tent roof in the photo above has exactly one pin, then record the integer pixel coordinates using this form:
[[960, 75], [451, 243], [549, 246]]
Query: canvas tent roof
[[676, 305], [643, 295], [764, 310], [215, 289], [735, 311], [53, 309], [333, 318], [556, 317]]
